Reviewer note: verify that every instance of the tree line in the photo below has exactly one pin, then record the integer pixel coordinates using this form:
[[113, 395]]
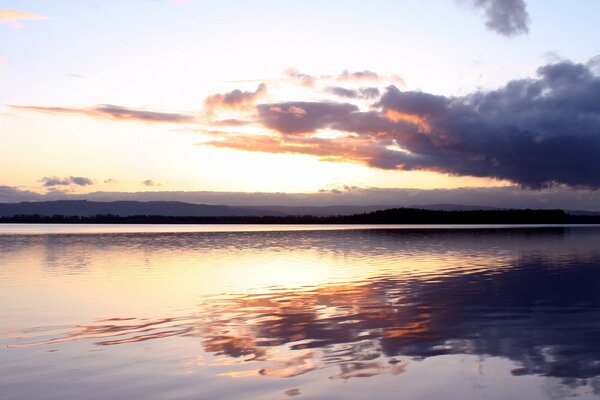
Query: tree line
[[390, 216]]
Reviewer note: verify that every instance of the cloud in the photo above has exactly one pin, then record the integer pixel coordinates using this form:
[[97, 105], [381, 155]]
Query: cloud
[[15, 16], [52, 181], [231, 122], [301, 78], [339, 189], [310, 81], [302, 117], [112, 112], [537, 132], [111, 180], [359, 76], [506, 17], [10, 194], [506, 197], [234, 100], [150, 182], [361, 93]]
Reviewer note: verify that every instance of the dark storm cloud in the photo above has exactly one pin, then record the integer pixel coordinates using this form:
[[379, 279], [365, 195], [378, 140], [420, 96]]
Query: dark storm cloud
[[108, 111], [51, 181], [534, 132], [506, 17]]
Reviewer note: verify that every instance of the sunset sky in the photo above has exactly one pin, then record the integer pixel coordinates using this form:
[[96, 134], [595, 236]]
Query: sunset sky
[[271, 96]]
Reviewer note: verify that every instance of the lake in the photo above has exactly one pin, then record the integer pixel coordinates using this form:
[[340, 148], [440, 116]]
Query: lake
[[318, 312]]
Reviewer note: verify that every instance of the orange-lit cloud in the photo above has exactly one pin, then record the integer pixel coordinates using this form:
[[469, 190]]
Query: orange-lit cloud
[[231, 122], [347, 149], [416, 119], [112, 112], [522, 132], [535, 132], [236, 100], [14, 16]]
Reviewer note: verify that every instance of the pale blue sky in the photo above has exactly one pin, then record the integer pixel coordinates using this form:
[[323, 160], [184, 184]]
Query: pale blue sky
[[132, 50]]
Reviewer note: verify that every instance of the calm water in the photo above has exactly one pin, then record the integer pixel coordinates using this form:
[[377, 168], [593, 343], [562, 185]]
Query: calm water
[[318, 314]]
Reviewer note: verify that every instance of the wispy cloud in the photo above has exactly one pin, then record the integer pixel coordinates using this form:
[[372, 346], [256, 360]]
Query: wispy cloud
[[14, 17], [346, 76], [112, 112], [506, 17]]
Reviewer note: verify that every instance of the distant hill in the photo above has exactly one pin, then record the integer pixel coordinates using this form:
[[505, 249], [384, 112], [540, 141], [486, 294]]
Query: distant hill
[[84, 208]]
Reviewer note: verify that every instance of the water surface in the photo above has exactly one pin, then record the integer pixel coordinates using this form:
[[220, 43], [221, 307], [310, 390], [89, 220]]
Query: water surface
[[317, 314]]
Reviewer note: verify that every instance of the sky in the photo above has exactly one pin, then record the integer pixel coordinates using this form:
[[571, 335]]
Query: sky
[[299, 97]]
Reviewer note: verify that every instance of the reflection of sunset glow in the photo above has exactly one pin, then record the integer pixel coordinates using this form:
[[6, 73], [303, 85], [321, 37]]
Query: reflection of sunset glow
[[277, 270]]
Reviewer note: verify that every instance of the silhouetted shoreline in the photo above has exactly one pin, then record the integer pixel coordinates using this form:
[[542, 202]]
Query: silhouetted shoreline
[[390, 216]]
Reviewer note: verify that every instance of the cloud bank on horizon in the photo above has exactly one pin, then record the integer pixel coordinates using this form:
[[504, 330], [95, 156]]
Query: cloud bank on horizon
[[503, 197]]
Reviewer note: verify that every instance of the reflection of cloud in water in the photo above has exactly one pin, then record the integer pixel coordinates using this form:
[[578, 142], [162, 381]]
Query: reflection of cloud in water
[[545, 319], [541, 310]]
